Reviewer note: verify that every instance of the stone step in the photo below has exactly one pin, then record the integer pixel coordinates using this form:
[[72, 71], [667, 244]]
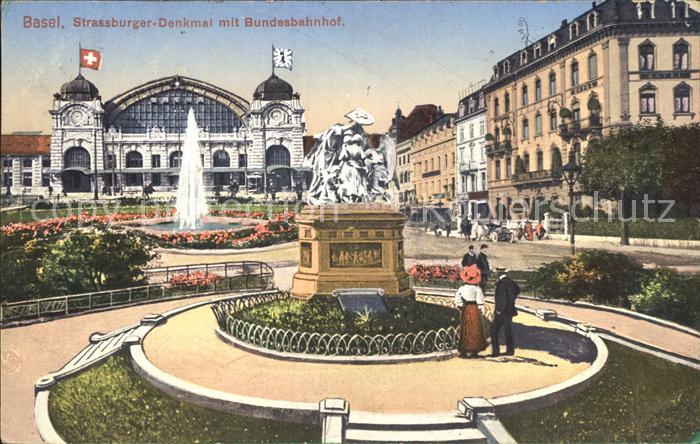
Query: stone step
[[466, 435], [388, 421]]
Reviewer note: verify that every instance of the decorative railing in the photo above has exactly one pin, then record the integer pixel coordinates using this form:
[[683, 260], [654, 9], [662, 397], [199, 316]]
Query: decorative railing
[[494, 148], [328, 344], [237, 276]]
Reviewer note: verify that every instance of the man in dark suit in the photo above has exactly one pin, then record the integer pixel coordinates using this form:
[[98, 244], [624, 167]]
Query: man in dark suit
[[506, 293], [470, 258], [482, 261]]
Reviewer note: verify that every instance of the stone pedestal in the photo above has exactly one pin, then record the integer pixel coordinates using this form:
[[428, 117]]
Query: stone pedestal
[[350, 246]]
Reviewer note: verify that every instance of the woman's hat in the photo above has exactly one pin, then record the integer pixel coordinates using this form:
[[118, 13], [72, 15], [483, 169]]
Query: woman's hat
[[471, 275], [501, 270]]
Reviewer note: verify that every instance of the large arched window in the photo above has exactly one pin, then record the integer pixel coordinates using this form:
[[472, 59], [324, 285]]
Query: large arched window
[[168, 110], [540, 160], [680, 55], [221, 159], [175, 159], [134, 159], [77, 157], [526, 162], [278, 155], [646, 56]]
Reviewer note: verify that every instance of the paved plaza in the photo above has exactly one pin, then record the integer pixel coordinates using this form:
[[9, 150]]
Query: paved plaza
[[187, 347]]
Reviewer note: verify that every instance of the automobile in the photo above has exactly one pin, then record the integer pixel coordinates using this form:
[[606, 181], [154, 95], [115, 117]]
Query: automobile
[[501, 234]]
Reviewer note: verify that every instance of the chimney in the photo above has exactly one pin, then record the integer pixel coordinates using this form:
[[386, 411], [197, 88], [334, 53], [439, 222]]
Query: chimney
[[593, 4], [564, 23]]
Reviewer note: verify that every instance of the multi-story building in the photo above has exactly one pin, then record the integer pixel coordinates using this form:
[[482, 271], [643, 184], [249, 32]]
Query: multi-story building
[[472, 194], [136, 137], [404, 129], [433, 156], [619, 63]]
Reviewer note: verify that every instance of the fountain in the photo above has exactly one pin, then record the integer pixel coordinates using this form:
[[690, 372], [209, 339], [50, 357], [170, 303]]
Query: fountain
[[191, 202]]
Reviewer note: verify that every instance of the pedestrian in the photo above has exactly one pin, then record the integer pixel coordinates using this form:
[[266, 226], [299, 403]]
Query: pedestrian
[[436, 229], [470, 300], [528, 230], [271, 188], [469, 258], [540, 231], [50, 190], [506, 293], [448, 228], [475, 231], [233, 189], [482, 261]]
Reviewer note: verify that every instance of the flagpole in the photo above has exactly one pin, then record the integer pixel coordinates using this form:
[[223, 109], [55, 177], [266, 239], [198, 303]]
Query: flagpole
[[272, 59], [80, 72]]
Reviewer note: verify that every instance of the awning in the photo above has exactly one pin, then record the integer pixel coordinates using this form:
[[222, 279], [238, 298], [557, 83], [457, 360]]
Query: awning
[[273, 168], [79, 169], [224, 170]]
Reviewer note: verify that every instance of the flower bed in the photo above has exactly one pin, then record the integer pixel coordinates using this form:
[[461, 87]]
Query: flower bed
[[436, 275], [320, 327], [198, 278], [279, 229]]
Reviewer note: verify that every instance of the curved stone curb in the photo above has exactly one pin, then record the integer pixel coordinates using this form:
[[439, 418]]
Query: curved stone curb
[[324, 359], [225, 251], [297, 412], [536, 399], [622, 311], [42, 419]]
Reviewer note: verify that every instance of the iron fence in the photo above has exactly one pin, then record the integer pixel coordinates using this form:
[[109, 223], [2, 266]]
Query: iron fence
[[234, 276], [328, 344]]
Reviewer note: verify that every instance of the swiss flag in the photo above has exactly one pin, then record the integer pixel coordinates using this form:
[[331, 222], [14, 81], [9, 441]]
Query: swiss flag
[[90, 58]]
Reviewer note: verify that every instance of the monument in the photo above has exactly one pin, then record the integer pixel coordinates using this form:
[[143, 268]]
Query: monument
[[348, 237]]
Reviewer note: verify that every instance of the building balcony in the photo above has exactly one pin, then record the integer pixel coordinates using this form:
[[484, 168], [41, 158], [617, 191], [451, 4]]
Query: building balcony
[[536, 176], [468, 166], [580, 129], [496, 148]]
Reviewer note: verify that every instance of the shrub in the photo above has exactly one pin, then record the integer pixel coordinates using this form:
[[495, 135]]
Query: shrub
[[591, 275], [93, 260], [668, 295]]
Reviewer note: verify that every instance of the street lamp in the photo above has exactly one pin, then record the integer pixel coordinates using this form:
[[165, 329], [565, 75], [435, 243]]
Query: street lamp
[[571, 172]]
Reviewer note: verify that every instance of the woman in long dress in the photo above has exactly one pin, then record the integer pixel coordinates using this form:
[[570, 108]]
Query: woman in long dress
[[470, 300]]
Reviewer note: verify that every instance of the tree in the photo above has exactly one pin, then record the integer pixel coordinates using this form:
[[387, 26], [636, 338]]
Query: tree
[[681, 167], [19, 279], [92, 260], [625, 165]]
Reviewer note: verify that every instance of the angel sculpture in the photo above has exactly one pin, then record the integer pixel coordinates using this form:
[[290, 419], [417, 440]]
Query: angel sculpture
[[345, 168]]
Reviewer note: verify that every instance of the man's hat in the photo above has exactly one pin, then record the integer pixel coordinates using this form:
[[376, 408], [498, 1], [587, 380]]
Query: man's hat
[[483, 246], [501, 270], [471, 275], [358, 115]]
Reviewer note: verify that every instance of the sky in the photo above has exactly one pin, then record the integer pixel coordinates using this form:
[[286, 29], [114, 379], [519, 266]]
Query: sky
[[385, 53]]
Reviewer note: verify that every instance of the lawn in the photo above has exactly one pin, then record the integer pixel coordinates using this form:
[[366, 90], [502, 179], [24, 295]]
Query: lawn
[[639, 398], [111, 403]]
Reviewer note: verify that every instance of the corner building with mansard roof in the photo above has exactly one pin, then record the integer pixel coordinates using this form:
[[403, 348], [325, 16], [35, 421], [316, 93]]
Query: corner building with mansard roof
[[619, 63]]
